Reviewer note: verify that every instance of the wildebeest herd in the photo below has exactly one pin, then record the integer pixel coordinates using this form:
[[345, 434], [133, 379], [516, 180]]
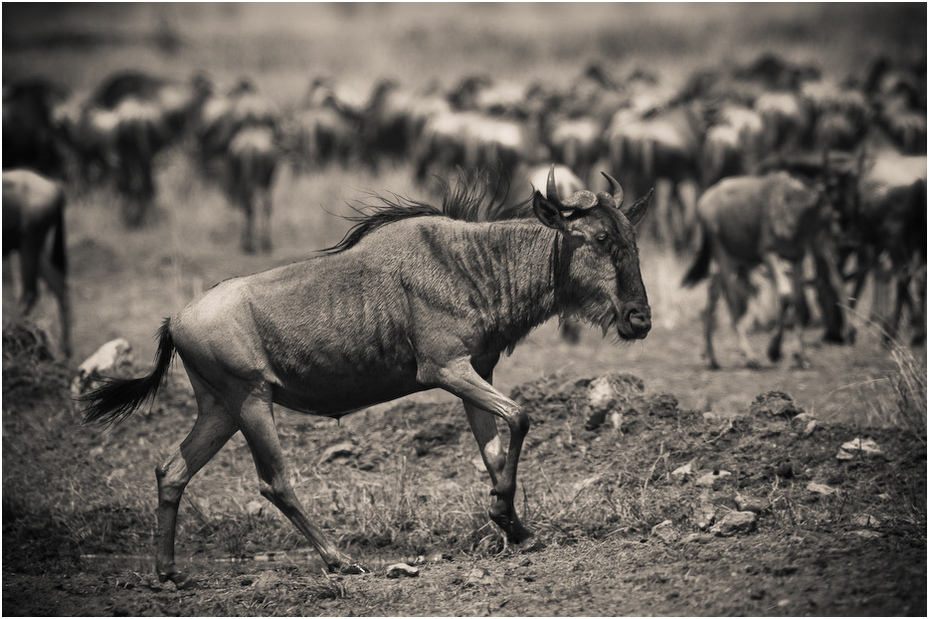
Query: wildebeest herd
[[769, 164], [857, 144]]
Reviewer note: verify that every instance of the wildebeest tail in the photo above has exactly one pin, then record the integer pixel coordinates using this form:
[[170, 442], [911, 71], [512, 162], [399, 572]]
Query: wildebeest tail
[[59, 254], [701, 266], [119, 398]]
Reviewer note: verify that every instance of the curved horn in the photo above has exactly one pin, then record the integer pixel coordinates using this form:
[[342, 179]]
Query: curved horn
[[551, 191], [616, 189]]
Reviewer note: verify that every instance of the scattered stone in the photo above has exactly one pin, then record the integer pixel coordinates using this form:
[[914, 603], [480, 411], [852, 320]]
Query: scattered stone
[[480, 576], [705, 513], [254, 507], [775, 404], [683, 473], [402, 569], [666, 532], [822, 489], [734, 523], [866, 521], [267, 579], [694, 538], [857, 448], [710, 479], [609, 396], [345, 449], [104, 363], [807, 421], [751, 504]]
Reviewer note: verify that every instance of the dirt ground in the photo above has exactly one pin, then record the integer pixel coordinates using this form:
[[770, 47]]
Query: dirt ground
[[715, 493]]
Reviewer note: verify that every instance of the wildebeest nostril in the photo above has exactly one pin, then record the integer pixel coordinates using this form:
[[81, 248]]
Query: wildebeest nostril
[[640, 320]]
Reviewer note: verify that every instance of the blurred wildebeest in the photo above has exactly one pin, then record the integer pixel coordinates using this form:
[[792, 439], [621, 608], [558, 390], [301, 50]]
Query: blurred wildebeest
[[240, 135], [733, 143], [33, 217], [481, 93], [883, 208], [413, 298], [841, 114], [662, 148], [144, 114], [396, 116], [30, 136], [897, 91], [750, 221], [473, 140], [324, 129]]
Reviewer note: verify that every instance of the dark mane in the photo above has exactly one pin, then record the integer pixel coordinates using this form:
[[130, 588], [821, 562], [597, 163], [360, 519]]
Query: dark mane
[[475, 197]]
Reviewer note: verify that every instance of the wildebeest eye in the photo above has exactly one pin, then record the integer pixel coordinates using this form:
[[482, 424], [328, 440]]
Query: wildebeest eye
[[601, 237]]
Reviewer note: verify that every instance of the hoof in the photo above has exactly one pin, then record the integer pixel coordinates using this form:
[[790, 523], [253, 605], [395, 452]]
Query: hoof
[[181, 580], [515, 532], [348, 568]]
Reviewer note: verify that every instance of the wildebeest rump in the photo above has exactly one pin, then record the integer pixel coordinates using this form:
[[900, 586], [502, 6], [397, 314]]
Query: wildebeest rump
[[411, 299], [748, 221], [33, 211]]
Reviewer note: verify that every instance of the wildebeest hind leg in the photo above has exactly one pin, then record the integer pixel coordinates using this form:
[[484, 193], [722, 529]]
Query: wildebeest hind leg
[[256, 420], [213, 428]]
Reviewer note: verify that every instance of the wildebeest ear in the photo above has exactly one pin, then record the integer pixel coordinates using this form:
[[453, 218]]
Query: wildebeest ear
[[548, 212], [636, 211]]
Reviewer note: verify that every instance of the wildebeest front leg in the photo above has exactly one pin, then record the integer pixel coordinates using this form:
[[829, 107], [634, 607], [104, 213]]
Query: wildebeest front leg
[[481, 401], [484, 428], [789, 290]]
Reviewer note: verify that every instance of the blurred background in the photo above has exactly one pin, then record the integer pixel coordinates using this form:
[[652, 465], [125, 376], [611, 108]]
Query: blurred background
[[149, 110]]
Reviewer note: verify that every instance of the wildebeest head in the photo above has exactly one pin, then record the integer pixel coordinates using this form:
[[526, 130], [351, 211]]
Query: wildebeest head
[[603, 284]]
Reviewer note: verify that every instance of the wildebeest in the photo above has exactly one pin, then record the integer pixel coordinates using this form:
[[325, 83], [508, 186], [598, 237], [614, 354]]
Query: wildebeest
[[750, 221], [240, 134], [883, 208], [30, 137], [33, 213], [662, 148], [411, 299]]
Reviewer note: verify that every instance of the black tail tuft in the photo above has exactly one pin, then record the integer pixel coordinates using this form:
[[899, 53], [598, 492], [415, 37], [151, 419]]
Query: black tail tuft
[[701, 266], [112, 403]]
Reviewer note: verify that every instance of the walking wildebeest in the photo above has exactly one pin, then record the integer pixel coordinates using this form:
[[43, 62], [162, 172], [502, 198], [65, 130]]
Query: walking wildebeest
[[748, 221], [33, 210], [413, 298]]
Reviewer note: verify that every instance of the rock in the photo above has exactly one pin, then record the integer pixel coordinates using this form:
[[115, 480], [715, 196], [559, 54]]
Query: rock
[[683, 473], [734, 523], [402, 569], [709, 479], [775, 404], [104, 363], [857, 448], [705, 513], [821, 488], [866, 521], [751, 504], [806, 421], [666, 532], [480, 576], [344, 449], [608, 397]]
